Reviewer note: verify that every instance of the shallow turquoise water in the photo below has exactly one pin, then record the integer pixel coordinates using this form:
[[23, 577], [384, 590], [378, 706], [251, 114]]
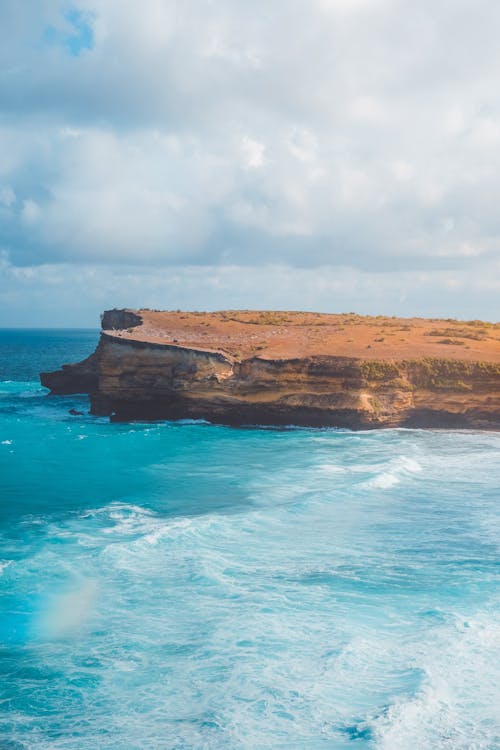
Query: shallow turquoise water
[[191, 586]]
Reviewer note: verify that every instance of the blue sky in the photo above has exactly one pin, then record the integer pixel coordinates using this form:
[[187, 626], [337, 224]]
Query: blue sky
[[333, 155], [76, 35]]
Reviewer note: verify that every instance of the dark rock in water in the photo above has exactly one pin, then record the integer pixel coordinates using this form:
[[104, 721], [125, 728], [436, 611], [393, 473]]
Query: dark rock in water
[[75, 413]]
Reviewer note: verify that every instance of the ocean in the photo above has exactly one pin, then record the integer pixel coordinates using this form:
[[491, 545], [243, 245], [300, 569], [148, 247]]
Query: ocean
[[185, 586]]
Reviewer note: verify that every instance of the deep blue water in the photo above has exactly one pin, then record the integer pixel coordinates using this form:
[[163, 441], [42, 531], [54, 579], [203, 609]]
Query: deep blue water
[[187, 586]]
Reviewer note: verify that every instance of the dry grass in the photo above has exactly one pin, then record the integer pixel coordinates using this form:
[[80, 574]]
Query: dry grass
[[274, 334]]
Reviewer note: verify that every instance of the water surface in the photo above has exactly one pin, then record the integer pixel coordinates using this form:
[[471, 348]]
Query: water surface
[[190, 586]]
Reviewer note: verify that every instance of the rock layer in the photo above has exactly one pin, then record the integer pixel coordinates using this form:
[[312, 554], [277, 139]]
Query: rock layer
[[233, 368]]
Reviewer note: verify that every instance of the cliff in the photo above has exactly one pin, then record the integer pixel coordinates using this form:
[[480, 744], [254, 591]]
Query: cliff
[[247, 367]]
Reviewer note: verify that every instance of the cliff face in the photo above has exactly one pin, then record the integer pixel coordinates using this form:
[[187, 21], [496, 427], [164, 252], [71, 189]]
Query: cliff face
[[136, 373]]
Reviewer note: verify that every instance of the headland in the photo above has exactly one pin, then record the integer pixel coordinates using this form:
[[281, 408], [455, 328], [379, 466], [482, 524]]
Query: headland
[[251, 367]]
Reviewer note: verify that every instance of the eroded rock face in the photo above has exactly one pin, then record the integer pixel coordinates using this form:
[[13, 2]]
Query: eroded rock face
[[82, 377], [119, 320], [130, 377]]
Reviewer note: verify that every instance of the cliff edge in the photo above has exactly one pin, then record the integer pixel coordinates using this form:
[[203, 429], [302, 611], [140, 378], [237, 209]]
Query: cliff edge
[[277, 368]]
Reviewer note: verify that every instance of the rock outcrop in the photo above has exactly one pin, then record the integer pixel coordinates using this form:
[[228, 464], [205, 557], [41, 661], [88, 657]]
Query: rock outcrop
[[119, 320], [82, 377], [290, 368]]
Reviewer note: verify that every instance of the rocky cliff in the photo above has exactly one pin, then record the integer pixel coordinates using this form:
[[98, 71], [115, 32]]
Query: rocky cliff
[[250, 367]]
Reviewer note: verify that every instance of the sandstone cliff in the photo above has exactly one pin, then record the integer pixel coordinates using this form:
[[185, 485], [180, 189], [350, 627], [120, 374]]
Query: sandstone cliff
[[251, 367]]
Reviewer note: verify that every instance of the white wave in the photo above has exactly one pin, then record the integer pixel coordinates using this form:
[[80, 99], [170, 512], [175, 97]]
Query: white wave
[[187, 421], [457, 709], [407, 464], [117, 507], [6, 442], [4, 564], [396, 469], [167, 530], [331, 468], [382, 481], [129, 521]]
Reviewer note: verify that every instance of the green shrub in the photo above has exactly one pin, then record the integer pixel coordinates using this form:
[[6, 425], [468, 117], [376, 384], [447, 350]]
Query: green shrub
[[378, 370]]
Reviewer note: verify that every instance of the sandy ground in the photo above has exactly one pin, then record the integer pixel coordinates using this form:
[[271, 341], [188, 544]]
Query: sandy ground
[[284, 335]]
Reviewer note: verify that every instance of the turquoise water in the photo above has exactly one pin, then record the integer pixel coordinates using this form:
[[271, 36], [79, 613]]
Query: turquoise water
[[196, 587]]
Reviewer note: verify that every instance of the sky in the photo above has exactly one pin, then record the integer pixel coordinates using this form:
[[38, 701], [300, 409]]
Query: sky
[[330, 155]]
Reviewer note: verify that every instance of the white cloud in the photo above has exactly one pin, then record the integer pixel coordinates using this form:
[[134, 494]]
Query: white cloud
[[330, 133], [253, 152], [303, 144], [30, 211], [63, 297], [7, 196], [402, 170]]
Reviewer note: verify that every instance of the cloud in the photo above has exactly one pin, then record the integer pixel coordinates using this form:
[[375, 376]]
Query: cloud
[[301, 134], [64, 295]]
